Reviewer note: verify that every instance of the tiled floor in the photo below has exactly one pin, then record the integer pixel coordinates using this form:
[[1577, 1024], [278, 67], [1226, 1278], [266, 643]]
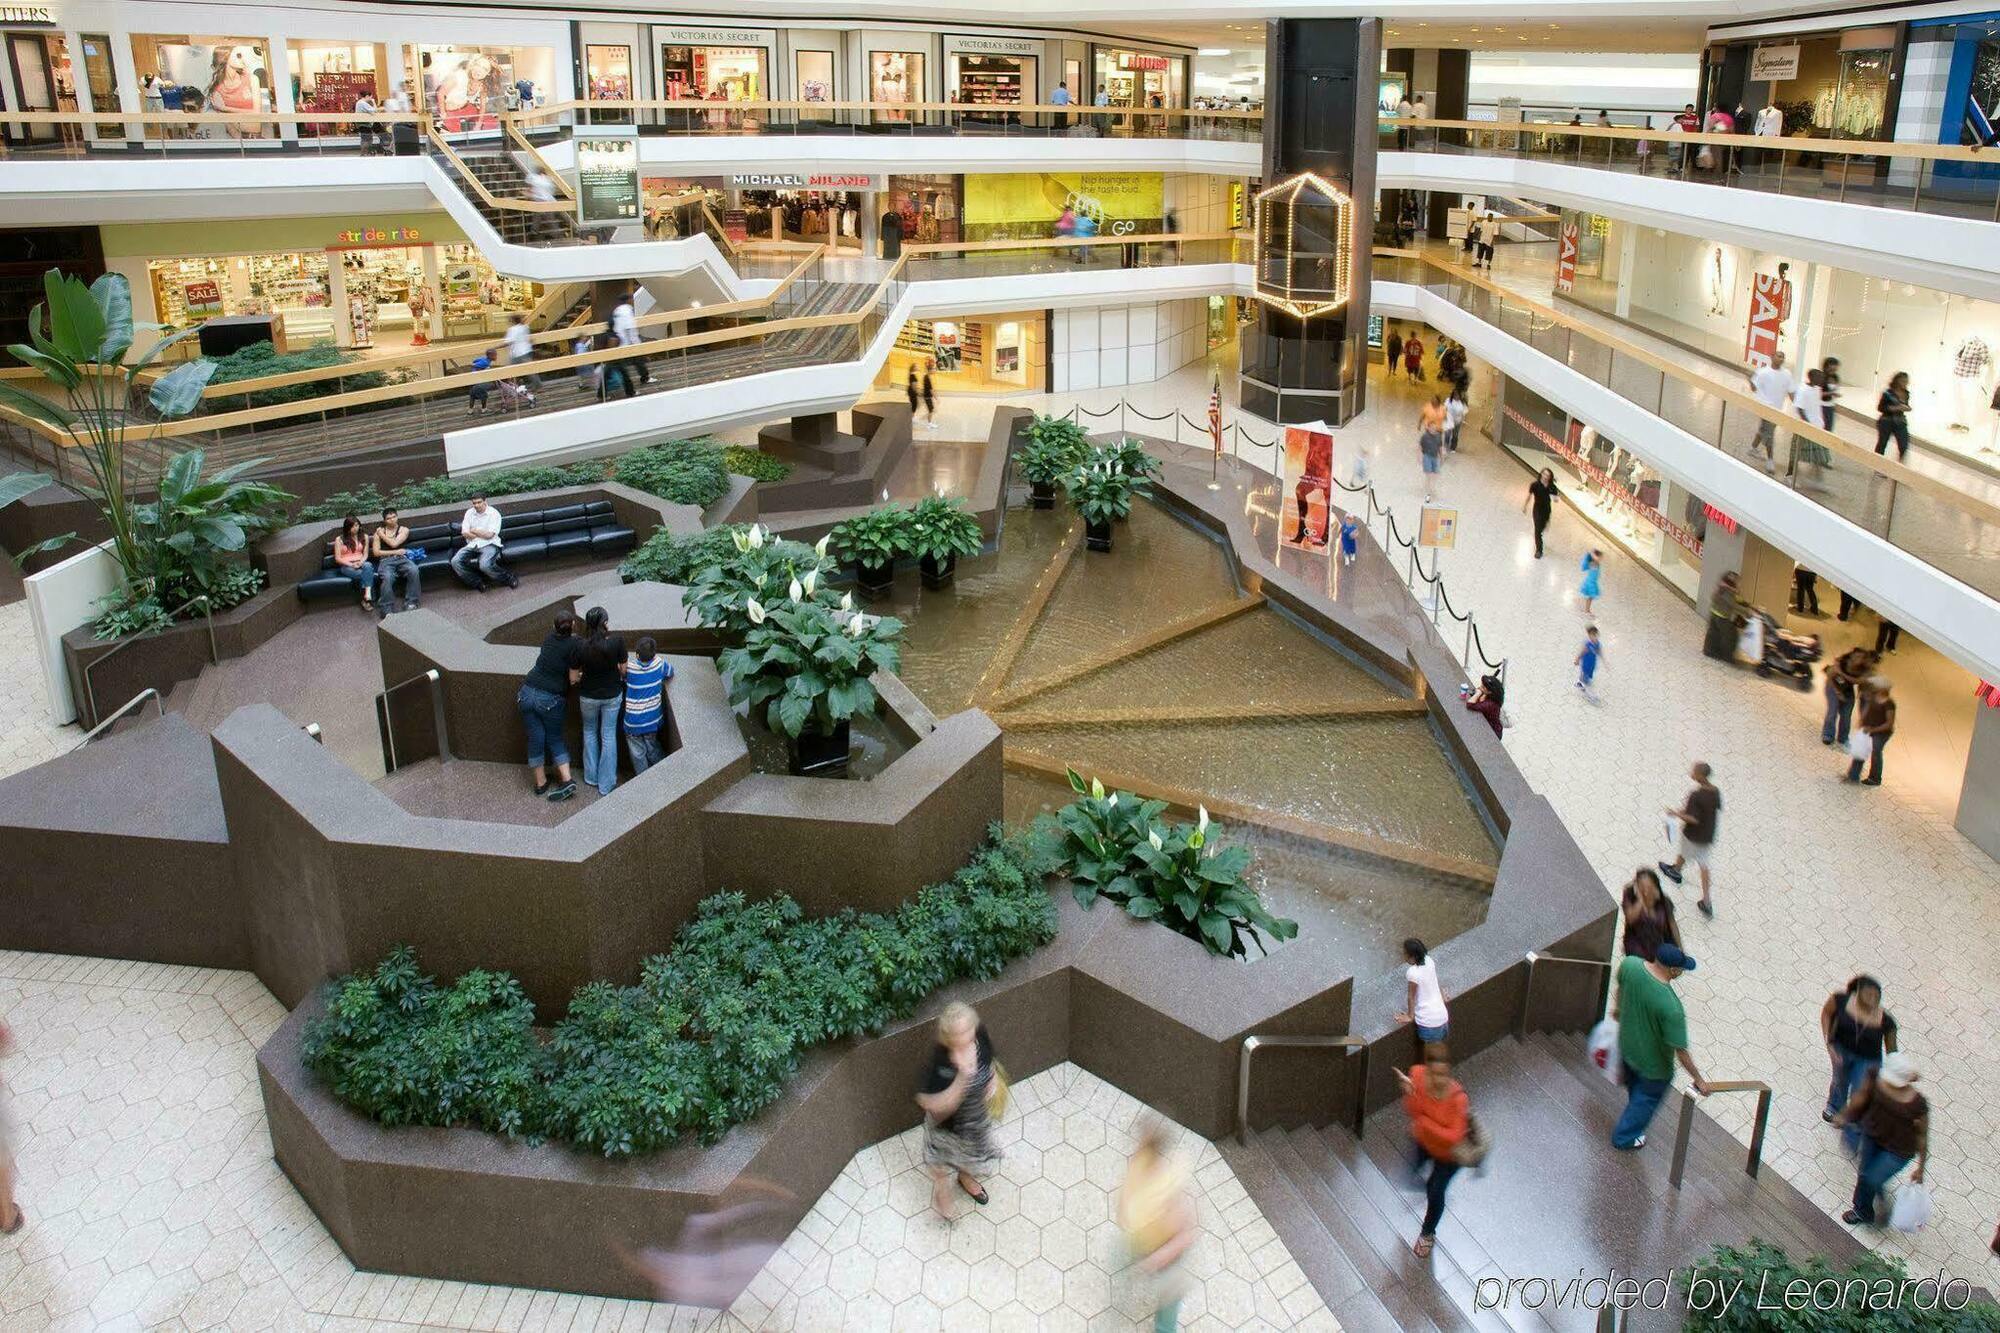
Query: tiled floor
[[153, 1201]]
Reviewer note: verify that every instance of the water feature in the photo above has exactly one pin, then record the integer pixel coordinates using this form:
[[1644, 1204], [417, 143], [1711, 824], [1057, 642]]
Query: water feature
[[1152, 666]]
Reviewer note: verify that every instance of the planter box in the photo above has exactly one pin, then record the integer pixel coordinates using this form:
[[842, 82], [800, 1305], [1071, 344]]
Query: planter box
[[1041, 495], [164, 659], [937, 575], [1097, 536]]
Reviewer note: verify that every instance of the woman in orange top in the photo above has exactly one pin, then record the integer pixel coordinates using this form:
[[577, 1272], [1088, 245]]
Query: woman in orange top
[[1438, 1119]]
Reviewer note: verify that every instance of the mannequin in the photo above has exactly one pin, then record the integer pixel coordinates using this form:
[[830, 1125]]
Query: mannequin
[[1971, 376]]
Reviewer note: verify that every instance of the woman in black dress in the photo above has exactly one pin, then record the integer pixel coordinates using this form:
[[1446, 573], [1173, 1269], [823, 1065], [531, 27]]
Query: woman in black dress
[[910, 388], [956, 1095], [1541, 499], [930, 403]]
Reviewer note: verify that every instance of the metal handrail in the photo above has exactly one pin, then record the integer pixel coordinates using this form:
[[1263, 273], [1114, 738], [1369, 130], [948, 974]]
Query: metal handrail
[[1528, 988], [214, 653], [431, 678], [134, 702], [1250, 1045], [1756, 1157]]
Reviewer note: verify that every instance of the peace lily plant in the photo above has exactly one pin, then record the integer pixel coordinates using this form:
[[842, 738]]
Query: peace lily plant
[[1115, 846], [763, 567], [804, 666]]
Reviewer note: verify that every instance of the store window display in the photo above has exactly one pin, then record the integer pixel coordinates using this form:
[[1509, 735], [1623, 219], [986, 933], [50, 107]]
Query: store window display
[[993, 81], [201, 74], [927, 207], [469, 87], [713, 73], [895, 76], [331, 77], [1140, 78]]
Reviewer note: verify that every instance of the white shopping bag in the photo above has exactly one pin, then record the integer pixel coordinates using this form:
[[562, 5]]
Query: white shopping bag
[[1604, 1048], [1860, 746], [1673, 830], [1912, 1208]]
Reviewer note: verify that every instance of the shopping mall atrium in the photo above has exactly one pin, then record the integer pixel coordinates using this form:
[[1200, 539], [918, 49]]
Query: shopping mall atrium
[[896, 666]]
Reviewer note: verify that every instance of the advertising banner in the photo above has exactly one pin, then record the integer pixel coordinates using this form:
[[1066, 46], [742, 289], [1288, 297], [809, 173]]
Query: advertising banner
[[1566, 258], [1770, 302], [1004, 206], [1308, 479], [1774, 64], [607, 179]]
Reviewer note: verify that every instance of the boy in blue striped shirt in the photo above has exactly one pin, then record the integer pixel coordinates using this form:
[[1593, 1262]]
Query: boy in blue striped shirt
[[646, 676]]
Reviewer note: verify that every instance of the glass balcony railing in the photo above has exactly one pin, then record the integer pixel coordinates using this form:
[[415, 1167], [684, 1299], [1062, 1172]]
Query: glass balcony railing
[[1944, 179], [1950, 522]]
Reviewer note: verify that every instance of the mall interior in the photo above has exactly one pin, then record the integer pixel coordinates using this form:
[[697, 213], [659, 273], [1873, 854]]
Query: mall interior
[[1252, 646]]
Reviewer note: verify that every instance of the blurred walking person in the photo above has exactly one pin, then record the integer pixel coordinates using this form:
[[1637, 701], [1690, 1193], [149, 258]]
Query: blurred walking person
[[930, 402], [1895, 1123], [1892, 418], [960, 1084], [1652, 1036], [1843, 679], [1878, 724], [1859, 1033], [1699, 816], [1541, 501], [1393, 350], [1588, 659], [1591, 587], [1158, 1219], [913, 393], [1649, 916], [1440, 1119]]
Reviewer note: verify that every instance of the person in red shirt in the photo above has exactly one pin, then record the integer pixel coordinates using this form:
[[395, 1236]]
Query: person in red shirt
[[1413, 357], [1440, 1118]]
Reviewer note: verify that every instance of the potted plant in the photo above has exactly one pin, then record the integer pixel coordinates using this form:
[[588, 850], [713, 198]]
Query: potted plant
[[1103, 495], [1131, 458], [940, 532], [872, 543], [761, 567], [185, 547], [804, 668], [1044, 464]]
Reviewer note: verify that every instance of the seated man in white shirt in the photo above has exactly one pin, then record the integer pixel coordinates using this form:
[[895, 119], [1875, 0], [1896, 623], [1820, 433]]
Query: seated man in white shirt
[[478, 561]]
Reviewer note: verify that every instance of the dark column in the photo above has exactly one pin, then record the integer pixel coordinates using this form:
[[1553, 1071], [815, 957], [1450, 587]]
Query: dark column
[[1319, 116], [1448, 102]]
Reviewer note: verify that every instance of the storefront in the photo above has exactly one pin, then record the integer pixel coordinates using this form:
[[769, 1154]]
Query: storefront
[[715, 64], [38, 72], [980, 353], [929, 207], [1659, 524], [202, 73], [386, 283], [824, 208], [1024, 206], [331, 76], [607, 72], [470, 86], [1838, 85], [896, 76], [1137, 78], [993, 72], [1948, 344]]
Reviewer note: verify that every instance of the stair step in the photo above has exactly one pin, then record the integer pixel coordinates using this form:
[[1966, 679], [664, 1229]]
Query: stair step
[[1315, 1252]]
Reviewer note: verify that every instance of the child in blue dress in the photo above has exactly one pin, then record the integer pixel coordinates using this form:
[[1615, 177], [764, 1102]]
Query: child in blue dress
[[1593, 570], [1587, 662], [1350, 538]]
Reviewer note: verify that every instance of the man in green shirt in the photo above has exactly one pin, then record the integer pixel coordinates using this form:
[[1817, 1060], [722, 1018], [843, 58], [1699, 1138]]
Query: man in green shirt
[[1652, 1035]]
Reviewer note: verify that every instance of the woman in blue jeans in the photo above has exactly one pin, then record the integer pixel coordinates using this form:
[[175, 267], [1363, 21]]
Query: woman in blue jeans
[[1895, 1123], [597, 667], [1858, 1032], [544, 705]]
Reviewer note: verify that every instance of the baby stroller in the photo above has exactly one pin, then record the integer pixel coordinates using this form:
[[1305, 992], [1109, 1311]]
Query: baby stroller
[[1771, 649], [513, 394]]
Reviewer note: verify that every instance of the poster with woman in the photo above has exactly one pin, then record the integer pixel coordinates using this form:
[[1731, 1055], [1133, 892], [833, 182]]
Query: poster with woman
[[469, 88], [227, 78], [1309, 485]]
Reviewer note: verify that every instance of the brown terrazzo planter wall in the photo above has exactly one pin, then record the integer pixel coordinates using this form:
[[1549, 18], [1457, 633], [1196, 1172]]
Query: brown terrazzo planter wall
[[161, 661]]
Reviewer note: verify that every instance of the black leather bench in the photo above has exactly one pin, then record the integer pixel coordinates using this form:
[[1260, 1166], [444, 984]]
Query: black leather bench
[[525, 537]]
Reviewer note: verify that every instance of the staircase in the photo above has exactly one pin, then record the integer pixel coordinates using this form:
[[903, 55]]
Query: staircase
[[1553, 1200], [497, 169]]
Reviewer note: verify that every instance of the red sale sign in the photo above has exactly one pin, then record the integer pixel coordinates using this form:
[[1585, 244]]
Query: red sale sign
[[1566, 259], [1770, 302]]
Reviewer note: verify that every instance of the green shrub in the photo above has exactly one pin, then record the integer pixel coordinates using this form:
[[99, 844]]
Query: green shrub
[[261, 359], [754, 464], [402, 1050], [1869, 1293], [688, 472], [1112, 844], [705, 1040], [877, 538], [668, 557], [940, 529], [504, 481], [762, 566], [363, 500]]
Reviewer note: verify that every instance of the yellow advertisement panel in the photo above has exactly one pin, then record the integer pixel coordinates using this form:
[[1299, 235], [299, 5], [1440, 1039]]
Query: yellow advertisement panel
[[1006, 206]]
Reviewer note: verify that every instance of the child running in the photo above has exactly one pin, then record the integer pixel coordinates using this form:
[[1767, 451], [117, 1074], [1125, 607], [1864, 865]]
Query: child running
[[1350, 543], [1587, 660]]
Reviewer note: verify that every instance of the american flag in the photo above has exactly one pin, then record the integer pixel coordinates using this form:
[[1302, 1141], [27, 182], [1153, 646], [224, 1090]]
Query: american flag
[[1215, 417]]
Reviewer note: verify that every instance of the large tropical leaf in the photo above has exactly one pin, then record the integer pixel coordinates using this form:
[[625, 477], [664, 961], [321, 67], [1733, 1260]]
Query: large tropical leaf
[[35, 406], [182, 471], [154, 352], [113, 296], [176, 393], [20, 484], [55, 367], [220, 531], [76, 325]]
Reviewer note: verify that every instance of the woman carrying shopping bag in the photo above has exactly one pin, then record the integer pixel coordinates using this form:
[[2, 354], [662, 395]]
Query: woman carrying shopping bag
[[1895, 1121]]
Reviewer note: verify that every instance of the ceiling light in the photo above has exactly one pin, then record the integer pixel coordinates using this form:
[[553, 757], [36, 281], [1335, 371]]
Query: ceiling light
[[1214, 51]]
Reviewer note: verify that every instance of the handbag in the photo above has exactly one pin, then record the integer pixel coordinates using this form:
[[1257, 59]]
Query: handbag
[[1472, 1149], [996, 1096], [1860, 747]]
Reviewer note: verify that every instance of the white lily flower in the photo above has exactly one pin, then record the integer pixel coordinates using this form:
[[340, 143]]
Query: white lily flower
[[1097, 788], [796, 591], [1153, 836], [1201, 823], [756, 537], [847, 601], [756, 610], [812, 578], [819, 547], [760, 578], [741, 538]]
